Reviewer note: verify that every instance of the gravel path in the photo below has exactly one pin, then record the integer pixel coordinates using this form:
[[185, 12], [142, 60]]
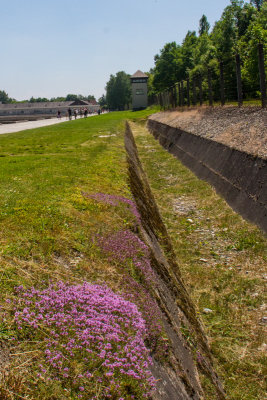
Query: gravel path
[[243, 128]]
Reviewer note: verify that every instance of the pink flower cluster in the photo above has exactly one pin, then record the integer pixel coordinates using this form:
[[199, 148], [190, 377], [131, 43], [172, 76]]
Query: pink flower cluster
[[94, 327], [125, 246], [128, 249], [114, 201], [137, 293], [132, 252]]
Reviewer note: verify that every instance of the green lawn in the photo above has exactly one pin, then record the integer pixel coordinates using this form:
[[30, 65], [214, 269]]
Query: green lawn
[[48, 229], [43, 172]]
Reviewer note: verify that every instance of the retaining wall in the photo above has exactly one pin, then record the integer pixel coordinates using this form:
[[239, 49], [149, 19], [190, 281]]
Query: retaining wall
[[239, 177]]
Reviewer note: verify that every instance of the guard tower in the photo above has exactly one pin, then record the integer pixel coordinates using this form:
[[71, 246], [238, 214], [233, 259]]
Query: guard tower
[[139, 90]]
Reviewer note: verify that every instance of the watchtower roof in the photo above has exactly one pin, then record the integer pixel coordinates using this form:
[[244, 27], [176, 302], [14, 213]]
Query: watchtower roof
[[139, 74]]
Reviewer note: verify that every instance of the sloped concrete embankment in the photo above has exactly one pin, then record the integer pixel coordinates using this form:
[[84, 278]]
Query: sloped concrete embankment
[[178, 378], [239, 177]]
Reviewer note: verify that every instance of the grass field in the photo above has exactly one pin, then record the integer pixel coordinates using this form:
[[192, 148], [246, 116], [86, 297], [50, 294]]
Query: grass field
[[48, 226]]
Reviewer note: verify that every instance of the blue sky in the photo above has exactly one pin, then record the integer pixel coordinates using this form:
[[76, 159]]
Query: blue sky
[[54, 47]]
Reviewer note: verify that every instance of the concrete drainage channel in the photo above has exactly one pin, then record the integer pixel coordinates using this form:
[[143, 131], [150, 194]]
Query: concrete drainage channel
[[189, 356], [239, 177]]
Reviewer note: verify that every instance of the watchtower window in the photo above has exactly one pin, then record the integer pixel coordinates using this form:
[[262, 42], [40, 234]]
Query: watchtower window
[[139, 80]]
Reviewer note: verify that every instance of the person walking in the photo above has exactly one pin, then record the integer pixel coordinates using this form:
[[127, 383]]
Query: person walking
[[69, 114]]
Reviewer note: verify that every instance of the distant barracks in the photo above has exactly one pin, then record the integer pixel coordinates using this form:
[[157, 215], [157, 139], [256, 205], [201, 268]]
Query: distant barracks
[[32, 111]]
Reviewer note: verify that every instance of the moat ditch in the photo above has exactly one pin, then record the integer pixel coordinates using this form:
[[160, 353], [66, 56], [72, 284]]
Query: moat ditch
[[190, 353]]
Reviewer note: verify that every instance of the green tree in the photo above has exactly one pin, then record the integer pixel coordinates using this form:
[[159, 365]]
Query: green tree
[[4, 97], [224, 34], [168, 66], [256, 33], [151, 92], [257, 3], [187, 50], [90, 97], [204, 26], [244, 16], [71, 97], [203, 54], [224, 38], [38, 100], [58, 99], [102, 101], [118, 90], [240, 28]]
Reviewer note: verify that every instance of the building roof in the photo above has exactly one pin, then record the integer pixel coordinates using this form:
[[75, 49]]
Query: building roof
[[46, 104], [139, 74]]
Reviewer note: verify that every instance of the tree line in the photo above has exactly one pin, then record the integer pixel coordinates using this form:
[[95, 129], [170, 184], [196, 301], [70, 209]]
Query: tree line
[[5, 99], [240, 29]]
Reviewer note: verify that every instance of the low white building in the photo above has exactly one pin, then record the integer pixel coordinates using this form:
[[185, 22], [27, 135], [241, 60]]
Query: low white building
[[49, 109]]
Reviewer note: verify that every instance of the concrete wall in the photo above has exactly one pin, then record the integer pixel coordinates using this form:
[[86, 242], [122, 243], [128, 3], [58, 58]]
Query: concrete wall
[[239, 177]]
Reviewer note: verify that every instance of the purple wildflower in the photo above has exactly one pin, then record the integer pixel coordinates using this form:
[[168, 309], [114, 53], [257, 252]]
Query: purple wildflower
[[88, 321], [126, 246], [114, 201]]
